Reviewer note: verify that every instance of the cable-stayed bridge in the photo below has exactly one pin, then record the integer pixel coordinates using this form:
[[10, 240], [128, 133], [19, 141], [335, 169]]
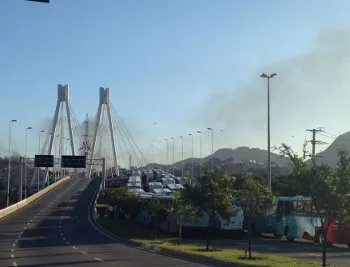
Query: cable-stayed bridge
[[103, 136]]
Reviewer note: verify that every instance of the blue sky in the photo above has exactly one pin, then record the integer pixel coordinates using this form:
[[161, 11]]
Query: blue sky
[[165, 62]]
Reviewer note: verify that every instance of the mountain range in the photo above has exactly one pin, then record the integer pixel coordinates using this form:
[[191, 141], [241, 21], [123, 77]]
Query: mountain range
[[245, 154], [330, 154]]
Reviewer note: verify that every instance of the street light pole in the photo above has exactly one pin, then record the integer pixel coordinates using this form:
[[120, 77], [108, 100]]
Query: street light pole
[[200, 153], [167, 154], [268, 77], [173, 155], [212, 148], [39, 154], [25, 162], [182, 155], [9, 165], [192, 156], [161, 151]]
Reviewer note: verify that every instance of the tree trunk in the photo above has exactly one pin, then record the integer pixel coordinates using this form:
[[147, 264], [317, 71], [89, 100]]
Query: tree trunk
[[208, 234], [156, 228], [324, 250], [324, 243], [180, 230], [249, 238]]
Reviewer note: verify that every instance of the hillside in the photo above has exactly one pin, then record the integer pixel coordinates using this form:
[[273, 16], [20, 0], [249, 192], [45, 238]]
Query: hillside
[[245, 154], [330, 154]]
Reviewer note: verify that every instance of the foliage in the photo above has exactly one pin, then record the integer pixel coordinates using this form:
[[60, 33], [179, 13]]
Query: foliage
[[159, 210], [187, 173], [326, 188], [255, 198], [212, 196], [181, 209], [125, 200]]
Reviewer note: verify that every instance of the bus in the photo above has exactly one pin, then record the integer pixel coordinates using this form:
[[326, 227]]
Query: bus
[[296, 218]]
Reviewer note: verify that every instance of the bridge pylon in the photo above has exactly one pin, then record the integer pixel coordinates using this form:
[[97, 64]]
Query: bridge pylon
[[62, 100], [104, 104]]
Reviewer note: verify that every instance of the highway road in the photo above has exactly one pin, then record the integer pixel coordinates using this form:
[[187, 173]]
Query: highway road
[[56, 230]]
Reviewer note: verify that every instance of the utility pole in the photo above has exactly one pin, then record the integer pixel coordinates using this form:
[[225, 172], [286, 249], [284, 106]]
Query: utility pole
[[314, 142]]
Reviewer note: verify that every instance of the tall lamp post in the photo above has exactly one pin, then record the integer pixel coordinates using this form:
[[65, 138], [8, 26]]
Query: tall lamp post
[[268, 77], [200, 153], [161, 151], [25, 162], [172, 138], [167, 154], [182, 155], [192, 155], [9, 165], [212, 148], [42, 131]]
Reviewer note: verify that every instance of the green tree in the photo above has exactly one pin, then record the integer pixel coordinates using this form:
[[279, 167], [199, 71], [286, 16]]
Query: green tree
[[180, 209], [326, 188], [254, 198], [211, 196], [125, 200], [159, 210]]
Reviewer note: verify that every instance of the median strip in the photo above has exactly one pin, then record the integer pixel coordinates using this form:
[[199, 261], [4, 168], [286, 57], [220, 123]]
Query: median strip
[[137, 234]]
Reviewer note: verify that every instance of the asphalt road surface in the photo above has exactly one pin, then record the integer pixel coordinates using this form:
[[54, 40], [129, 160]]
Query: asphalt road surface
[[56, 230]]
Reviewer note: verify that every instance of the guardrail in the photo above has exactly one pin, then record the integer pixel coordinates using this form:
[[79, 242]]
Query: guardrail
[[14, 207]]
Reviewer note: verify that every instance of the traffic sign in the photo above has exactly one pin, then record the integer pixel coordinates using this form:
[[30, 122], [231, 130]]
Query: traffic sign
[[43, 161], [73, 162]]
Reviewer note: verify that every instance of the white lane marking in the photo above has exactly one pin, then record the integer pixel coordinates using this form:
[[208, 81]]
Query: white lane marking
[[25, 228], [14, 263], [83, 252], [12, 256], [31, 220], [67, 242], [28, 223], [12, 250], [74, 247], [98, 259], [14, 245]]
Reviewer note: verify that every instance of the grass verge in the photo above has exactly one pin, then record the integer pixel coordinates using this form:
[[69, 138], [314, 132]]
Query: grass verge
[[141, 234]]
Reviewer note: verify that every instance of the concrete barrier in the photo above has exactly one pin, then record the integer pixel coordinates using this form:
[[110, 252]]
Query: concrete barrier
[[10, 209]]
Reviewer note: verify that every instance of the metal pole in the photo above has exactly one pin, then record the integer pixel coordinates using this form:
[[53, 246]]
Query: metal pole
[[192, 156], [200, 153], [21, 185], [103, 174], [268, 131], [173, 155], [212, 148], [39, 154], [182, 156], [9, 166], [314, 147], [167, 153], [39, 167], [25, 161], [268, 77]]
